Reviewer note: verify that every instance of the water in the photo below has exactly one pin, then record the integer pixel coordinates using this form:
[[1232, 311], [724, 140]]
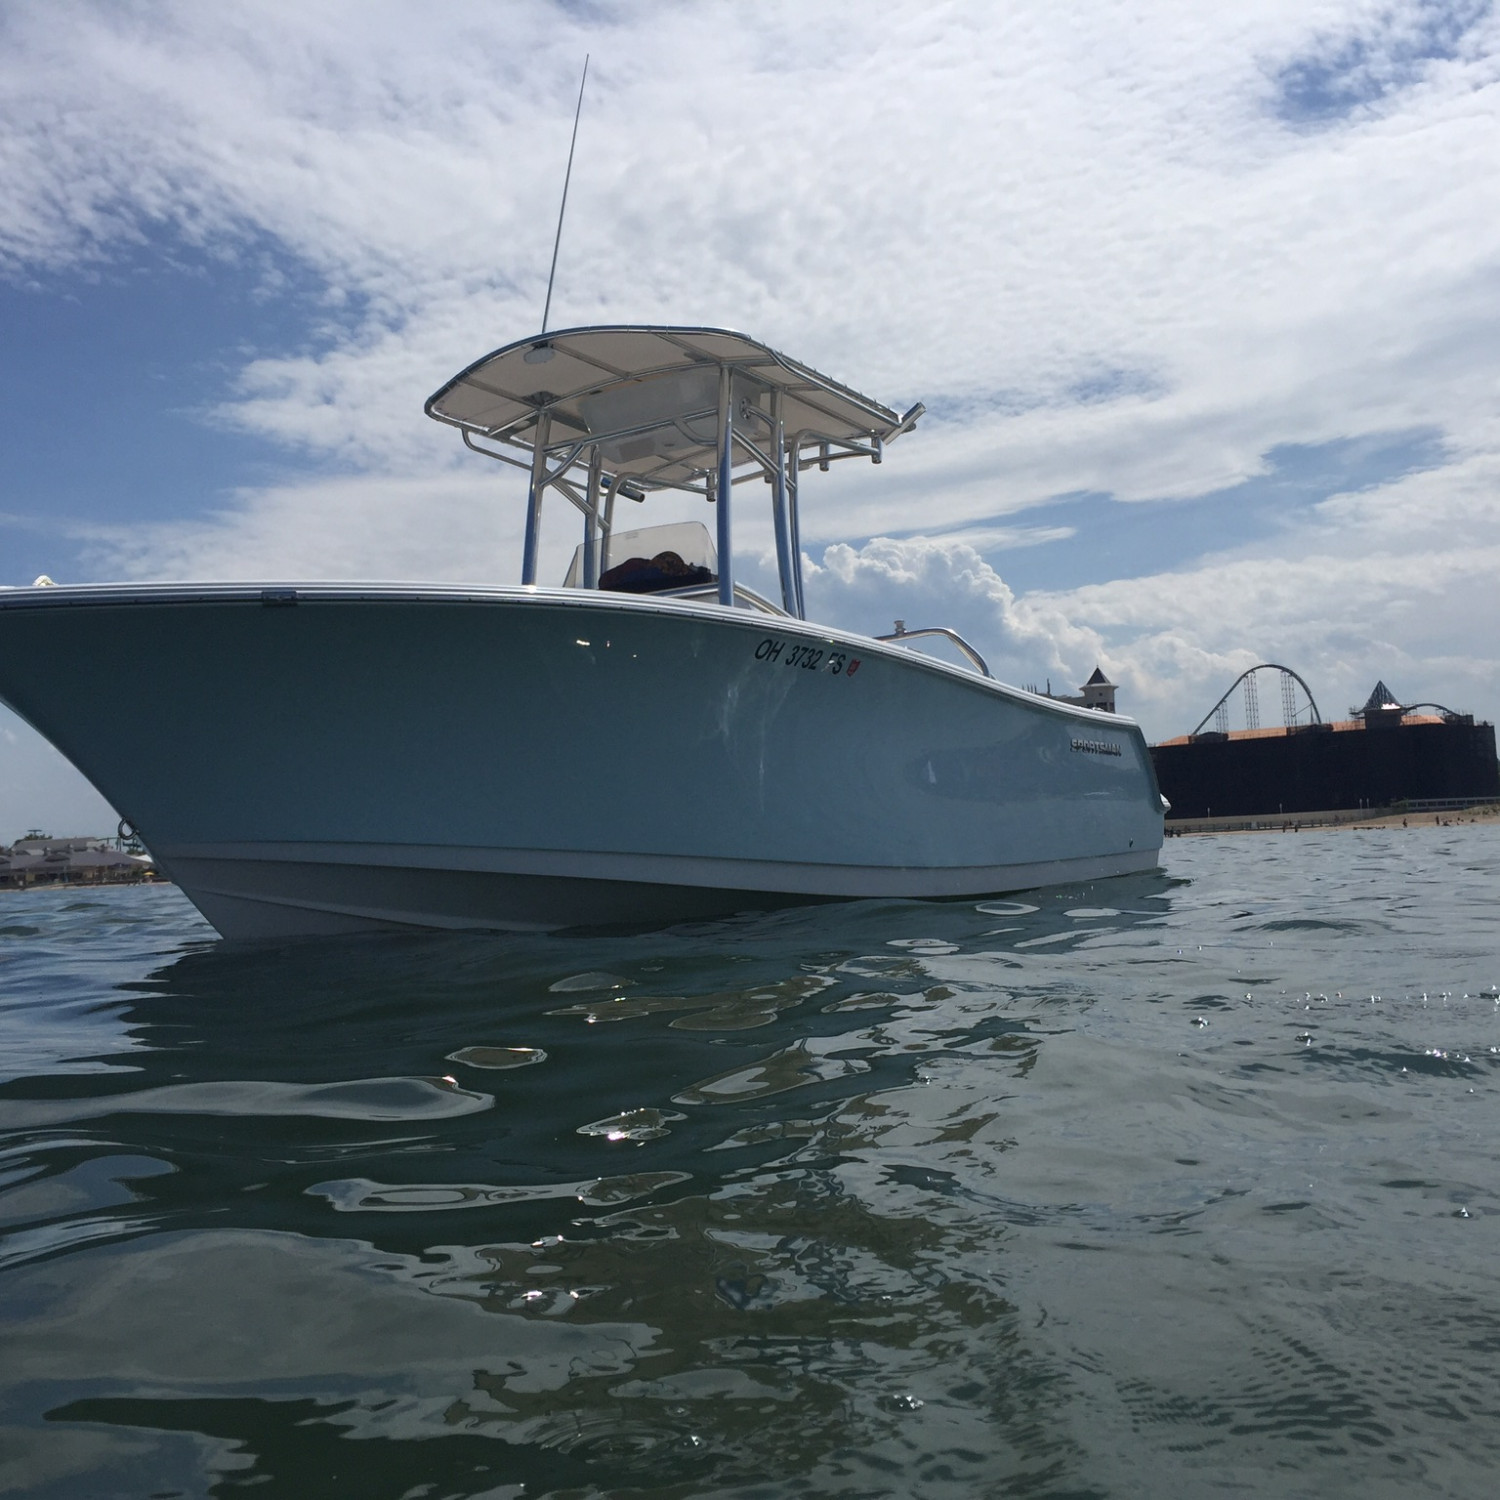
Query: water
[[1173, 1185]]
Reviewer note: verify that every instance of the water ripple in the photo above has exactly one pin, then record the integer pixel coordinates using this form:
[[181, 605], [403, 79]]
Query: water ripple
[[1164, 1185]]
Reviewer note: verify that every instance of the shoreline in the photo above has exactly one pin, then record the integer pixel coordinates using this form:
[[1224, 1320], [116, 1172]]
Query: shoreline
[[1339, 819]]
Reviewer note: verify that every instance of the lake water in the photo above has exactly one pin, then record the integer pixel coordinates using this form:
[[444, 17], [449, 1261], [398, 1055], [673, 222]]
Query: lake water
[[1176, 1185]]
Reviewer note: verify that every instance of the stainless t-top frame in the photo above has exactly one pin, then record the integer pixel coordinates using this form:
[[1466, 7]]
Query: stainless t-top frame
[[611, 411]]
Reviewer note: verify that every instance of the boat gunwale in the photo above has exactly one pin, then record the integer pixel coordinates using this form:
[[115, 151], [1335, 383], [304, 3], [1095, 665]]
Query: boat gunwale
[[273, 594]]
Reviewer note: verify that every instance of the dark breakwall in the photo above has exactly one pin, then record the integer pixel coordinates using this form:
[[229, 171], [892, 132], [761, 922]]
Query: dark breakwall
[[1313, 770]]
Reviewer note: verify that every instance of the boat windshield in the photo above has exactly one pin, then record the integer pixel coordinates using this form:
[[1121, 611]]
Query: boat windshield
[[651, 560]]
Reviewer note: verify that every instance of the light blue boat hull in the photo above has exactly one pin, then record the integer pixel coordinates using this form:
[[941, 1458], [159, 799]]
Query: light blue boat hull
[[325, 759]]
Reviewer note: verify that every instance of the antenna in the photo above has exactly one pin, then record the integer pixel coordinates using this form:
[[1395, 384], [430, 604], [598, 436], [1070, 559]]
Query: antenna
[[567, 177]]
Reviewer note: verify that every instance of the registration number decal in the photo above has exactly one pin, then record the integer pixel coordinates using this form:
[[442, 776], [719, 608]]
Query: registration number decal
[[809, 658]]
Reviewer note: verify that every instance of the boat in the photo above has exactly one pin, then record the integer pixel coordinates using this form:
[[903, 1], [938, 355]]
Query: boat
[[650, 741]]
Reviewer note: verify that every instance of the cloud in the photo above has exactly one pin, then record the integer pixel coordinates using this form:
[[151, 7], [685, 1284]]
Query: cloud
[[1392, 582], [944, 581], [1372, 56], [449, 527], [1092, 235]]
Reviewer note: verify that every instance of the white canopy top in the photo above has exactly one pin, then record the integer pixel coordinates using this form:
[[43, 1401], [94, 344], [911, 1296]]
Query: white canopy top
[[647, 399]]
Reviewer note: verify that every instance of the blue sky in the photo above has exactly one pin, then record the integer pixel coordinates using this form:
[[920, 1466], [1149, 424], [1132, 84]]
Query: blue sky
[[1204, 306], [1091, 538], [108, 385]]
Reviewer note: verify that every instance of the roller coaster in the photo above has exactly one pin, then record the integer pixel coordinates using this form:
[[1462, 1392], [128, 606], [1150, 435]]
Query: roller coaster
[[1381, 703], [1291, 714], [1404, 752]]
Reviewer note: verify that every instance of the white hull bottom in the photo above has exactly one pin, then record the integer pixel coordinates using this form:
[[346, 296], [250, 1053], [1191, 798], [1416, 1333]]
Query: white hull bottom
[[277, 891]]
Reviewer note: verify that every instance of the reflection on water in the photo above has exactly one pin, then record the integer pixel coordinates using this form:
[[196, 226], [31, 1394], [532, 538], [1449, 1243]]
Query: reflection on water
[[1155, 1186]]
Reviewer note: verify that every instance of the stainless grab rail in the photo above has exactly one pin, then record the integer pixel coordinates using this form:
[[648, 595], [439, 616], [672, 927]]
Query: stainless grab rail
[[903, 634]]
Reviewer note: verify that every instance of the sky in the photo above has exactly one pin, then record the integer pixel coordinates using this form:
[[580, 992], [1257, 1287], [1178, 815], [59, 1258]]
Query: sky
[[1203, 303]]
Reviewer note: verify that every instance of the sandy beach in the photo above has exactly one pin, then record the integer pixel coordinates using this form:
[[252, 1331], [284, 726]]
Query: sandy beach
[[1338, 818]]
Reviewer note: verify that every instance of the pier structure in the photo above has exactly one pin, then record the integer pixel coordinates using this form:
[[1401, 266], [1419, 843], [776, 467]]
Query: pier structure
[[1384, 754]]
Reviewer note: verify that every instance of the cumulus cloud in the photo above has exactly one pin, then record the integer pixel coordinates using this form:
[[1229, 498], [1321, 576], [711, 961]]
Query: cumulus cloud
[[944, 581], [1393, 582]]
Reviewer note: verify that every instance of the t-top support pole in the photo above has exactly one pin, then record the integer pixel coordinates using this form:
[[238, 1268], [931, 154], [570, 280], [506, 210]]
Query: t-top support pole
[[778, 508], [591, 523], [534, 499], [725, 485], [794, 530]]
